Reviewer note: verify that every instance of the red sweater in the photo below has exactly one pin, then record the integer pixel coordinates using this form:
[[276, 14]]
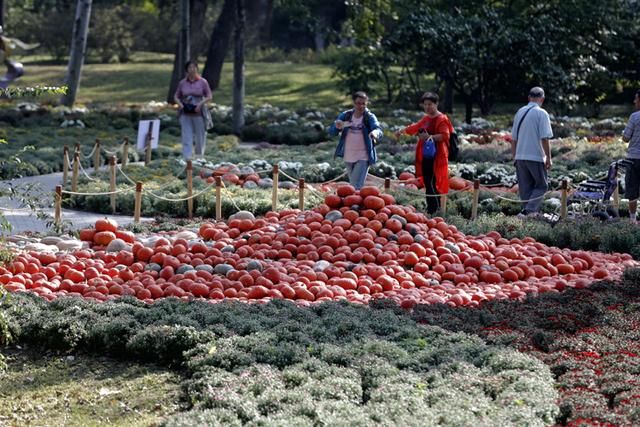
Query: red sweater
[[441, 125]]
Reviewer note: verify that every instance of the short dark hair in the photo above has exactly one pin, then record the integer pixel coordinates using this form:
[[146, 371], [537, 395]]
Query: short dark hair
[[638, 93], [430, 96], [359, 94], [189, 62]]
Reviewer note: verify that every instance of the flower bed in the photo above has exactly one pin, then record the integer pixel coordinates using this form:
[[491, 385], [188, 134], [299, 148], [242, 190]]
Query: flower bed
[[333, 252]]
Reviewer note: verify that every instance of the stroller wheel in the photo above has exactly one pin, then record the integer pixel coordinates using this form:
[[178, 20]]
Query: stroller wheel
[[601, 215]]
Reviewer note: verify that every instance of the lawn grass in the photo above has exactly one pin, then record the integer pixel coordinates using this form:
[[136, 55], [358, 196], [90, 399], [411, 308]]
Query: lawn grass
[[283, 84], [84, 390]]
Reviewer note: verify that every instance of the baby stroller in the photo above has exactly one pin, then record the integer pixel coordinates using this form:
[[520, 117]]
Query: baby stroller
[[593, 197]]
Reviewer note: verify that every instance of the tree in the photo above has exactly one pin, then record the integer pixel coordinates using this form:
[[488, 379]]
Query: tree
[[219, 43], [183, 50], [78, 51], [309, 22], [238, 68]]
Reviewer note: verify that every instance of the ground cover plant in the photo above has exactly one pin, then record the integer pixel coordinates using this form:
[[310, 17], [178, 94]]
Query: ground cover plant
[[47, 387], [586, 338], [276, 363]]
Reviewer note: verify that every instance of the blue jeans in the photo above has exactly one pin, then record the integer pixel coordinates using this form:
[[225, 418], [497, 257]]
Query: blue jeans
[[357, 172]]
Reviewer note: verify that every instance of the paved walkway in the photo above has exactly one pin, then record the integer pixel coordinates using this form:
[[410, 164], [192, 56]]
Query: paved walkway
[[23, 219]]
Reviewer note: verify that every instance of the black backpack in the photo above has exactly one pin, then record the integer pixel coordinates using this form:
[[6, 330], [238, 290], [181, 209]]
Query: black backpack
[[454, 150]]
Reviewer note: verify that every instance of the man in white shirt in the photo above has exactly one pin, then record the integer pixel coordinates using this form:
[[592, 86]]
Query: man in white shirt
[[631, 135], [530, 149]]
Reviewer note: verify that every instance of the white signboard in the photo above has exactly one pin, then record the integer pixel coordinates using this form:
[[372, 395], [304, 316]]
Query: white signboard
[[148, 128]]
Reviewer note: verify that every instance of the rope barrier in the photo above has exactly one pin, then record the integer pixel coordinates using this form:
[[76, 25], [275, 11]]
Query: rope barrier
[[88, 156], [288, 176], [112, 153], [193, 196], [334, 179], [125, 175], [320, 193], [107, 193], [16, 209], [85, 172], [450, 193], [233, 202]]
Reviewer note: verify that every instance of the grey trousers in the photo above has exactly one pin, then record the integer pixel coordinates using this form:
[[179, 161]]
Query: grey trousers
[[192, 128], [532, 184]]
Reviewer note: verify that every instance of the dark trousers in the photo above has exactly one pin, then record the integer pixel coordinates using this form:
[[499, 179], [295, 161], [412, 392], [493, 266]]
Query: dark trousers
[[532, 184], [433, 198]]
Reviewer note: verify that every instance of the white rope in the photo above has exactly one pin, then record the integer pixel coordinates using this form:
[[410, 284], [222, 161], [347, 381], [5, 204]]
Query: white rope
[[193, 196], [125, 175], [85, 172], [114, 152], [332, 180], [289, 176], [16, 209], [320, 193], [106, 193], [224, 187], [88, 156]]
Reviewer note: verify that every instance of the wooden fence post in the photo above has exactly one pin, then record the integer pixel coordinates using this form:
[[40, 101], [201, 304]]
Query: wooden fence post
[[218, 198], [74, 174], [138, 203], [387, 185], [563, 201], [301, 193], [65, 166], [476, 198], [125, 152], [112, 182], [57, 218], [190, 188], [274, 194], [96, 156]]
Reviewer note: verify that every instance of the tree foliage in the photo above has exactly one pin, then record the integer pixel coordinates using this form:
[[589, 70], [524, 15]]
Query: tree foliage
[[491, 51]]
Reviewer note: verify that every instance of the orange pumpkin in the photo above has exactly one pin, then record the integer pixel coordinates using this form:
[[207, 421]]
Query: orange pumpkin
[[86, 235], [457, 183], [373, 202], [103, 238], [106, 224], [369, 190]]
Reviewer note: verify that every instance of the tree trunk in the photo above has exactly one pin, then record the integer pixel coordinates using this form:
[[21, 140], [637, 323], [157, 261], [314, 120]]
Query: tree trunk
[[219, 44], [238, 69], [183, 51], [78, 51], [265, 29], [199, 39], [319, 34], [447, 99], [2, 6], [258, 13], [468, 106]]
